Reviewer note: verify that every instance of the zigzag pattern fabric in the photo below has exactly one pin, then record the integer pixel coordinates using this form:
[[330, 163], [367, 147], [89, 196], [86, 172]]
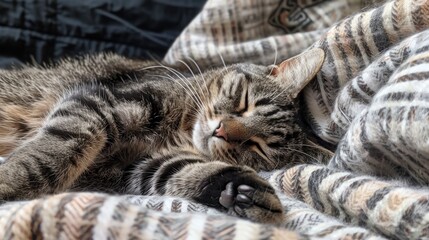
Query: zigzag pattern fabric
[[320, 203], [391, 208], [98, 216], [317, 200]]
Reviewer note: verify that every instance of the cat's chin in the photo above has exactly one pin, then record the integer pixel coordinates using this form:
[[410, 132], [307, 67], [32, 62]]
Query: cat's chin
[[200, 139], [217, 145]]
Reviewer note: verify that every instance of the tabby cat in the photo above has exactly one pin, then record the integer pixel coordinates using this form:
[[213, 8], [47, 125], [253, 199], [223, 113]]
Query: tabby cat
[[111, 124]]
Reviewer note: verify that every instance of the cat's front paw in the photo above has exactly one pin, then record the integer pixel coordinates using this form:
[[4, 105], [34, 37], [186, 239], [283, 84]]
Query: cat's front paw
[[237, 190], [259, 203]]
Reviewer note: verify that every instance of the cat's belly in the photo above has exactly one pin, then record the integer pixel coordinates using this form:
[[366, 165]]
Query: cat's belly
[[110, 171]]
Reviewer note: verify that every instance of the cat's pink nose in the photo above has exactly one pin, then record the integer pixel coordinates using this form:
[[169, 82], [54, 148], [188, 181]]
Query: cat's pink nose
[[220, 132]]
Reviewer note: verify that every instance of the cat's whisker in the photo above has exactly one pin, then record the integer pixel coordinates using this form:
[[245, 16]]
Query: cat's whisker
[[229, 157], [244, 141], [201, 73], [303, 153], [275, 97], [186, 90], [275, 61], [224, 155], [188, 67], [13, 121], [308, 145], [272, 69], [150, 67], [233, 159], [322, 149], [193, 74], [203, 103], [221, 58], [188, 83], [271, 162], [153, 57], [175, 72], [183, 79], [276, 54], [278, 161]]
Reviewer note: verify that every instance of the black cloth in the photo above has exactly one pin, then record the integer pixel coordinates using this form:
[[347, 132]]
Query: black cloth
[[40, 31]]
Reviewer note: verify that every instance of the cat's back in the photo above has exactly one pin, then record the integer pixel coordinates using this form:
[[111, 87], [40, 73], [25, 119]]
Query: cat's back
[[30, 93]]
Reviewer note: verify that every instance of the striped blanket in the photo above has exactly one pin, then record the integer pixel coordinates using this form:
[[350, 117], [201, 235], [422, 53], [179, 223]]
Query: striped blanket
[[370, 102]]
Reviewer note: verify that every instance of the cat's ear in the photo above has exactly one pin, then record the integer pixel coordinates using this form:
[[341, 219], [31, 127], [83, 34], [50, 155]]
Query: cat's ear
[[295, 73]]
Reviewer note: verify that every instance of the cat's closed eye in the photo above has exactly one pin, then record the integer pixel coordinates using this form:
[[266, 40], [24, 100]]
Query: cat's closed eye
[[244, 103]]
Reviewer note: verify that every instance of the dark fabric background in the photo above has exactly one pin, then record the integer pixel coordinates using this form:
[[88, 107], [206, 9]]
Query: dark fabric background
[[40, 31]]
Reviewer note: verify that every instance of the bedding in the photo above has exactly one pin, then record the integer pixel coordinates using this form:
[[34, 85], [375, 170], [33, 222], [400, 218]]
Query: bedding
[[369, 102], [42, 31]]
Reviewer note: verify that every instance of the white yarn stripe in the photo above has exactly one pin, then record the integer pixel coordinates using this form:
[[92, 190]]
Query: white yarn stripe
[[104, 218], [196, 227]]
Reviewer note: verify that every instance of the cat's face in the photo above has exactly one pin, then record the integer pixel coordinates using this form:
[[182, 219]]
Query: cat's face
[[248, 119], [250, 115]]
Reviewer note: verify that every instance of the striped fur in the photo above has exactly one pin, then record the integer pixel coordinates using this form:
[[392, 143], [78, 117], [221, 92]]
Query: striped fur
[[121, 126]]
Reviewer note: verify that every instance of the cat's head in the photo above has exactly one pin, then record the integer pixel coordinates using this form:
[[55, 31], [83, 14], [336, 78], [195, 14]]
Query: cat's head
[[250, 113]]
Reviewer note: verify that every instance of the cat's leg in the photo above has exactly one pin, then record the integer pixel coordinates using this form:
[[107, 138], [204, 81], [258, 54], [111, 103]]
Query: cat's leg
[[71, 137], [235, 189]]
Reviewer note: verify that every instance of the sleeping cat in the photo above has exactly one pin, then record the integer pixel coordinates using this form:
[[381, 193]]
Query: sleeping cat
[[111, 124]]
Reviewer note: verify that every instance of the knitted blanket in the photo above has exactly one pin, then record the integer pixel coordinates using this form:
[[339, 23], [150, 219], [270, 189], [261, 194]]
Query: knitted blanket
[[370, 101]]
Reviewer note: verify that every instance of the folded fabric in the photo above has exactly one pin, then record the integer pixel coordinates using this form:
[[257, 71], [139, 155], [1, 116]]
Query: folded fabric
[[350, 46], [256, 31], [389, 137], [308, 192]]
